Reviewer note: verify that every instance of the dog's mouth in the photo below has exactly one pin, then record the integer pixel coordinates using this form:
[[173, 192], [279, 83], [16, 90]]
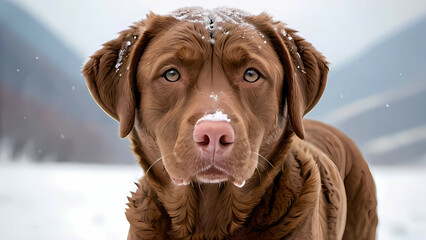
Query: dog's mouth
[[210, 174]]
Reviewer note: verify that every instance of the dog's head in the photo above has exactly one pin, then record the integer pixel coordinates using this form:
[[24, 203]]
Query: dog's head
[[209, 92]]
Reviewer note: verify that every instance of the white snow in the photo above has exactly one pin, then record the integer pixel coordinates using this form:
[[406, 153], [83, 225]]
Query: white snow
[[401, 198], [64, 201], [217, 116], [120, 56], [213, 96], [212, 18], [76, 201]]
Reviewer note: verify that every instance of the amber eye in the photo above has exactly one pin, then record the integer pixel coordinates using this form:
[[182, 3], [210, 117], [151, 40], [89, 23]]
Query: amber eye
[[251, 75], [171, 75]]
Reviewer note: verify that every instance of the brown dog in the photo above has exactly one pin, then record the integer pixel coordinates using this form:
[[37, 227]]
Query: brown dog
[[213, 101]]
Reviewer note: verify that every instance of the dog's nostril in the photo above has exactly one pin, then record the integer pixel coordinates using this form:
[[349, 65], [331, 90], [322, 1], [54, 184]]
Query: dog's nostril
[[204, 141], [225, 140]]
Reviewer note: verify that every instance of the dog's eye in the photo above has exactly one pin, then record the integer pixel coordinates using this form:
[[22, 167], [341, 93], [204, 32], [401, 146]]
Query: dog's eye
[[251, 75], [171, 75]]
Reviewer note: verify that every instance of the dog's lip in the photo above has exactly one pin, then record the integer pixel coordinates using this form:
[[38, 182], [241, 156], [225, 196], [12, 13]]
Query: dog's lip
[[179, 181], [212, 171], [215, 174], [210, 174]]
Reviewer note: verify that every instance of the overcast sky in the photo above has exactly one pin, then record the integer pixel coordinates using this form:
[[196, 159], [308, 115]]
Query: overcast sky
[[339, 29]]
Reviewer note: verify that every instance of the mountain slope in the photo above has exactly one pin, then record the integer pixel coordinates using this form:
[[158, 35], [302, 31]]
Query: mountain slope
[[45, 108], [381, 95], [387, 65]]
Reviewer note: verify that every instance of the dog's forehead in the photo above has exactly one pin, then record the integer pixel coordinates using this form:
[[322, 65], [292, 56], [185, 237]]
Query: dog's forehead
[[213, 19], [197, 28]]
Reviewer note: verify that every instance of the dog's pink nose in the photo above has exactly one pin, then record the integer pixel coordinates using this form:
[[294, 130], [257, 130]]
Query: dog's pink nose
[[214, 136]]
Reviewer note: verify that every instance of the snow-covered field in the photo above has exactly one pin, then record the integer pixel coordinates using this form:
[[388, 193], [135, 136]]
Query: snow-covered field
[[75, 201]]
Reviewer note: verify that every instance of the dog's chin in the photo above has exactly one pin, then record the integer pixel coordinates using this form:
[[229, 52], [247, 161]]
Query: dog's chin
[[216, 175]]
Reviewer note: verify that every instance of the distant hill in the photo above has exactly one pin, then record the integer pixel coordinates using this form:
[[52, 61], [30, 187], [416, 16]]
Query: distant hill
[[387, 65], [382, 95], [45, 108]]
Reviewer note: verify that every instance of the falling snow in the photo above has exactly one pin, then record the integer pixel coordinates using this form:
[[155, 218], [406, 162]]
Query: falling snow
[[62, 136], [17, 70], [73, 88]]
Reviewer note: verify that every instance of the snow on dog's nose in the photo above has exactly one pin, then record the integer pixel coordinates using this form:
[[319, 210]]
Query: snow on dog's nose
[[213, 133]]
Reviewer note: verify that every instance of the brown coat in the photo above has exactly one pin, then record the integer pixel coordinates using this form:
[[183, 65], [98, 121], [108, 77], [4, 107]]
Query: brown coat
[[279, 178]]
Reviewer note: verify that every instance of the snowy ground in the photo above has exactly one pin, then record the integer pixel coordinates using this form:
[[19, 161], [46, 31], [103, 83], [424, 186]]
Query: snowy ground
[[72, 201]]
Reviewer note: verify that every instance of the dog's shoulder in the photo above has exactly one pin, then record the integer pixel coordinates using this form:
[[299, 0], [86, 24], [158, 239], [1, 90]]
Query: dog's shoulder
[[341, 149], [354, 170], [334, 143]]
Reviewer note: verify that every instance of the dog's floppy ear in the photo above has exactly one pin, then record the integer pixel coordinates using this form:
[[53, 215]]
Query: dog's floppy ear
[[111, 72], [305, 69]]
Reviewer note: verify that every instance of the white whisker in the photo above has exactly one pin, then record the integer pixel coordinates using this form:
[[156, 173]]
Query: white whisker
[[156, 161], [264, 159], [199, 187], [260, 164]]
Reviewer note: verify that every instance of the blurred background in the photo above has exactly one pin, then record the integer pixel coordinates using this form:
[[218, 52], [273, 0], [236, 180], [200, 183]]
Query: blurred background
[[65, 173]]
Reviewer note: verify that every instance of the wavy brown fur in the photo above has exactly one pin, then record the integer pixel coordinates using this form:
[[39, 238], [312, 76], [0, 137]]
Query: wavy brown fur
[[304, 179]]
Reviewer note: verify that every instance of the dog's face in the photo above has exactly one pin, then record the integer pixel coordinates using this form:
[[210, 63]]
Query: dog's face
[[212, 89]]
